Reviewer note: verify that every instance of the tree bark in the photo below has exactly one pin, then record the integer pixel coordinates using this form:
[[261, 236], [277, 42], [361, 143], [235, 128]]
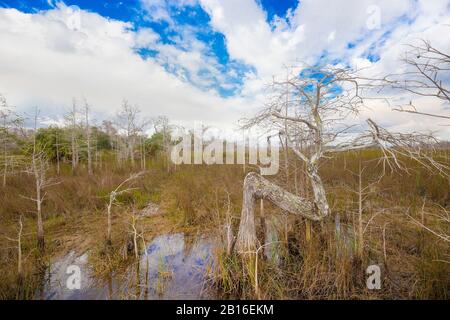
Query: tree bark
[[73, 118], [40, 225], [88, 139], [58, 168], [108, 235], [257, 187]]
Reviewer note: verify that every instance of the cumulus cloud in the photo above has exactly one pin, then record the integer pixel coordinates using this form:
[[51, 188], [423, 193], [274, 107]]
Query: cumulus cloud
[[350, 32], [52, 56], [159, 10]]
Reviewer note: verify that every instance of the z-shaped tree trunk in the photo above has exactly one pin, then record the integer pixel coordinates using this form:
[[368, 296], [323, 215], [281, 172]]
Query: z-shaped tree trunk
[[257, 187], [311, 110]]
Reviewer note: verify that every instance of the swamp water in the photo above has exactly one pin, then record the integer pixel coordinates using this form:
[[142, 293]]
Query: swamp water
[[173, 266]]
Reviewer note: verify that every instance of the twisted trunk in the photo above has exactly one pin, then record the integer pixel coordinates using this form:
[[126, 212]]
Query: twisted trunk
[[257, 187]]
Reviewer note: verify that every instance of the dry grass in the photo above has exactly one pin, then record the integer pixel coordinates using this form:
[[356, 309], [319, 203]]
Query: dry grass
[[414, 263]]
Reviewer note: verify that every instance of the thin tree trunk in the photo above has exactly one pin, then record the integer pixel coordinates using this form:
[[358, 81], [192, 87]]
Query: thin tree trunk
[[286, 150], [57, 156], [145, 157], [135, 244], [40, 226], [73, 138], [131, 151], [39, 182], [360, 212], [108, 234], [88, 139], [19, 250], [5, 155], [5, 170]]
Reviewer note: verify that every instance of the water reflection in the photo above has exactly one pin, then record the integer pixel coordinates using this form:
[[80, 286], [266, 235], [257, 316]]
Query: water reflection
[[54, 285], [272, 251], [173, 266]]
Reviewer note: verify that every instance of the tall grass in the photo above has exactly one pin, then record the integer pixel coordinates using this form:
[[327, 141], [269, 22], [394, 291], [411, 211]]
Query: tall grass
[[414, 262]]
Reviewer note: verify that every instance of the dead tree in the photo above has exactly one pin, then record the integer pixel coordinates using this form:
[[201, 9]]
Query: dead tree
[[143, 152], [4, 115], [129, 124], [427, 72], [38, 168], [142, 126], [362, 192], [112, 133], [443, 216], [135, 234], [18, 240], [87, 129], [8, 121], [227, 233], [161, 125], [319, 103], [113, 200], [72, 119]]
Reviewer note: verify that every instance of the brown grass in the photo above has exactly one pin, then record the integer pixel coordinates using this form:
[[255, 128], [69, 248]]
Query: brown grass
[[194, 198]]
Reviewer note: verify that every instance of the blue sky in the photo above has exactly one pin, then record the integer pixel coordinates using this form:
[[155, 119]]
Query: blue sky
[[193, 17], [186, 58], [179, 25], [183, 17]]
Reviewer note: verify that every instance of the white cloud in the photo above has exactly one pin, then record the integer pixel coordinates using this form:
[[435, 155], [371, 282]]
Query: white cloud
[[312, 26], [318, 27], [49, 57], [159, 10], [46, 60]]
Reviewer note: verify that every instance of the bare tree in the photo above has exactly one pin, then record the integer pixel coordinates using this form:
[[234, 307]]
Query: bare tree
[[39, 167], [319, 104], [4, 114], [442, 216], [133, 128], [72, 119], [18, 240], [57, 145], [362, 191], [161, 125], [143, 151], [228, 236], [87, 129], [427, 74], [136, 234], [127, 122], [120, 189], [143, 138], [112, 133], [8, 121]]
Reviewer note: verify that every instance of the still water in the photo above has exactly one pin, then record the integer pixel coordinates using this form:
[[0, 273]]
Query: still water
[[173, 266]]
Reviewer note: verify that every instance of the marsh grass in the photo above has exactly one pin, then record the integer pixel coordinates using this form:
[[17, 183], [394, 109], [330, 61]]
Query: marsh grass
[[414, 263], [194, 199]]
